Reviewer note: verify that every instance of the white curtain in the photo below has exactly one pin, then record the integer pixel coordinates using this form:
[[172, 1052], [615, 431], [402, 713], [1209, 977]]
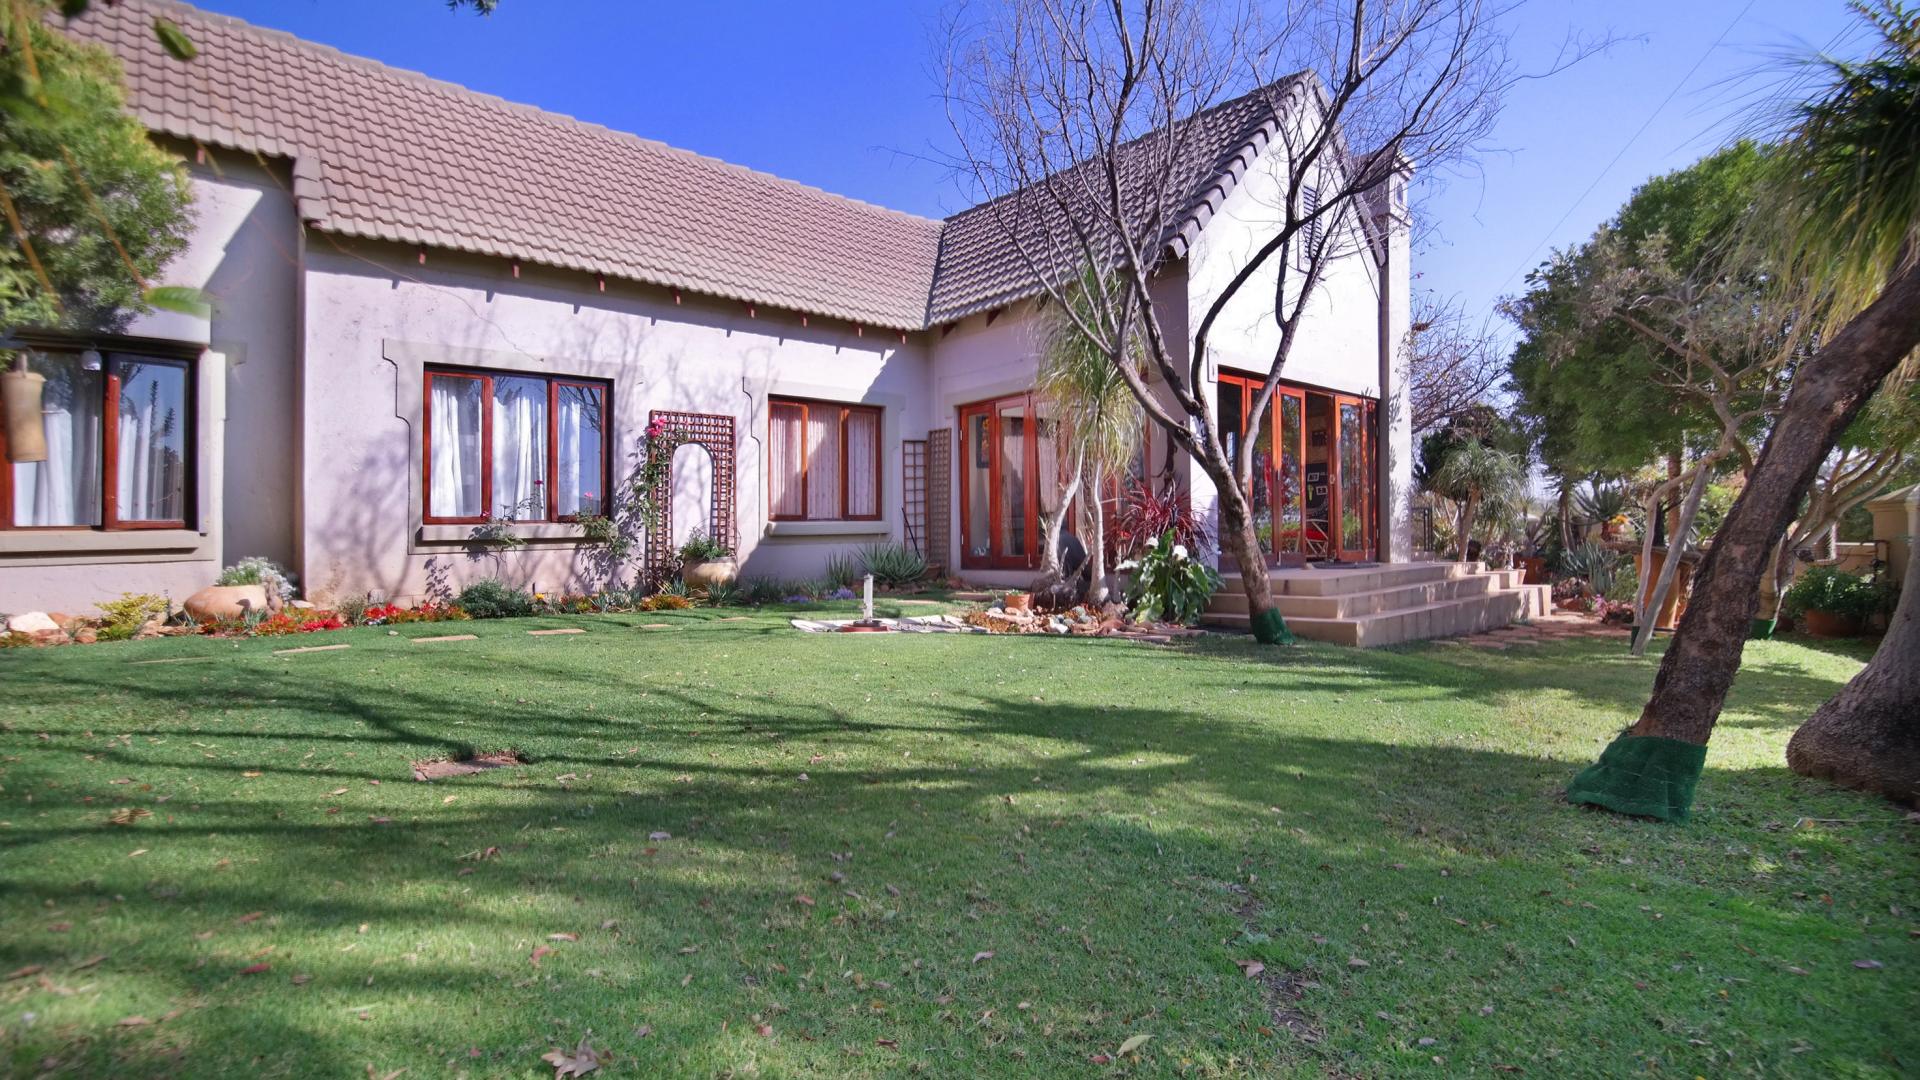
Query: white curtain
[[519, 448], [863, 481], [786, 451], [65, 488], [150, 468], [577, 455], [455, 467], [823, 463]]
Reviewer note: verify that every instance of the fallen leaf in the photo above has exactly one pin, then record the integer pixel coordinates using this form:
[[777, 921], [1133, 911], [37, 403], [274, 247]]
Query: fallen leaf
[[378, 820], [538, 952], [1357, 964], [21, 973], [133, 1021], [1796, 970], [1868, 965], [803, 900], [891, 1044], [92, 961], [985, 954], [127, 815], [765, 1031], [249, 917], [448, 799], [338, 791], [1132, 1045], [609, 924], [1250, 968], [563, 937], [659, 836], [1100, 1059], [301, 979], [256, 969], [582, 1060], [251, 773]]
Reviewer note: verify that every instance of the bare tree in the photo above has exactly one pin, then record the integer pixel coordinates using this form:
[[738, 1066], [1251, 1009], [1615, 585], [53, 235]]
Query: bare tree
[[1453, 363], [1082, 119]]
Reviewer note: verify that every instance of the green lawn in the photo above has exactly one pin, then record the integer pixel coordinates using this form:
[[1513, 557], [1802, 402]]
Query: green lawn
[[944, 855]]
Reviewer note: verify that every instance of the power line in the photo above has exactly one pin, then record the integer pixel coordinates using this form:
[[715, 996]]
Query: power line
[[1631, 139]]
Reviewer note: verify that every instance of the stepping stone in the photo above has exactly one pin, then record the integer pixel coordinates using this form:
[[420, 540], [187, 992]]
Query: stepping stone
[[310, 648], [656, 626], [736, 618], [179, 660], [446, 637], [923, 603], [550, 633]]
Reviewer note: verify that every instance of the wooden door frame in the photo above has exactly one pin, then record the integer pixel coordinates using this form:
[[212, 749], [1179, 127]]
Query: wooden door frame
[[1369, 482], [1030, 496]]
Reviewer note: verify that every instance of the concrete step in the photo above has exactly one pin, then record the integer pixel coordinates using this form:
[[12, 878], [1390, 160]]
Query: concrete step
[[1468, 614], [1231, 600]]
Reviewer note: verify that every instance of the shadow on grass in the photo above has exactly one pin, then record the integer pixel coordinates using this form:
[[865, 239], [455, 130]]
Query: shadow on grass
[[1117, 852]]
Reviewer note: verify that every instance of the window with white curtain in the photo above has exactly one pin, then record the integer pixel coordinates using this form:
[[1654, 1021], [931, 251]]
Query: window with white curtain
[[511, 447], [823, 461], [119, 430]]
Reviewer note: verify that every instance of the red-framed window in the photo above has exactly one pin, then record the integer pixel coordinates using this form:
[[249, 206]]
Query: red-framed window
[[121, 435], [514, 447], [823, 461]]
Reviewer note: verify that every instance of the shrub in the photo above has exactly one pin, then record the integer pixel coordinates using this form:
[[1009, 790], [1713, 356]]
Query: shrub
[[844, 569], [256, 570], [1834, 591], [352, 609], [765, 590], [894, 566], [1146, 515], [725, 594], [703, 548], [665, 601], [491, 598], [1168, 583], [121, 619]]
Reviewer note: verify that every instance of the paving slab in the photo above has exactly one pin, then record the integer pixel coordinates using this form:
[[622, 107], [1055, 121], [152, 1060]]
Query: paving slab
[[446, 637], [551, 633], [310, 648], [179, 660]]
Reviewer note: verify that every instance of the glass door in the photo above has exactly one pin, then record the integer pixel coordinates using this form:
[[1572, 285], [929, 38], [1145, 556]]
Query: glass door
[[1353, 488], [1277, 490], [1009, 481]]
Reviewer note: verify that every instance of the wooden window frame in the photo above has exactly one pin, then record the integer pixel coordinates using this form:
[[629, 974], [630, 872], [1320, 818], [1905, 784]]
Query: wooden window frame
[[847, 409], [552, 481], [114, 353]]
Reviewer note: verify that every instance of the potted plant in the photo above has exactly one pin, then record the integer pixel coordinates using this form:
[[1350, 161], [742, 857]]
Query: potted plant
[[1017, 601], [253, 587], [705, 561], [1830, 602]]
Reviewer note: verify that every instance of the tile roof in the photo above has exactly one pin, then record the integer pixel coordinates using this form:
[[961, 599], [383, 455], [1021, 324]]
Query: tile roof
[[394, 155], [982, 267], [387, 154]]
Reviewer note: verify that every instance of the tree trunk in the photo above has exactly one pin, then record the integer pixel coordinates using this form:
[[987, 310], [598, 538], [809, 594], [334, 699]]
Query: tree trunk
[[1050, 530], [1653, 767], [1868, 735], [1644, 584], [1097, 539], [1679, 538], [1565, 511], [1238, 540], [1828, 392], [1467, 509]]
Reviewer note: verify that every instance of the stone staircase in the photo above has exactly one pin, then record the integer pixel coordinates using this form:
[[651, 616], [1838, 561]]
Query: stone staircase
[[1389, 603]]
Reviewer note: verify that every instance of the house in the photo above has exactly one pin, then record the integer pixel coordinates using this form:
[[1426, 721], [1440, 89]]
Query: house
[[433, 308]]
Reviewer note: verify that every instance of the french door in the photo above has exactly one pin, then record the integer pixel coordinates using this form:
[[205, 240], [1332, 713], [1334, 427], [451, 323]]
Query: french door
[[1312, 478], [1009, 482]]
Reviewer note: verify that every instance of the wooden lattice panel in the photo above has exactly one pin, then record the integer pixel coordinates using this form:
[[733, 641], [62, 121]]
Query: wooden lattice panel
[[939, 498], [715, 432], [913, 492]]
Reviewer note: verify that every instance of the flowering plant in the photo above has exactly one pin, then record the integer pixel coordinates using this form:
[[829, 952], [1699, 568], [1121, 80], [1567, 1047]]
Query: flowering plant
[[1168, 583]]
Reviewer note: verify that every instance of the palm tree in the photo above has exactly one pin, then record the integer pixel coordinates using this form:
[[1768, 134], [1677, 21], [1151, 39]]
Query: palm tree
[[1099, 429], [1850, 190], [1484, 482]]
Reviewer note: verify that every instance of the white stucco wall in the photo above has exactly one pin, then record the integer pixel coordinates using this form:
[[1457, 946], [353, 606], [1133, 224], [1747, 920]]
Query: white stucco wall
[[373, 310], [244, 252]]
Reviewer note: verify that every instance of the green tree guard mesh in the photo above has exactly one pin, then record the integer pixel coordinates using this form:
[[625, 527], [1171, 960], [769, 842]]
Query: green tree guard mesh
[[1762, 630], [1642, 774], [1269, 628]]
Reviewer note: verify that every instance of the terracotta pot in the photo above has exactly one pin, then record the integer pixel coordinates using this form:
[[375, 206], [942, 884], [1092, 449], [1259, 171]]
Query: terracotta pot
[[1536, 568], [1827, 624], [227, 602], [710, 572], [26, 423], [1019, 602]]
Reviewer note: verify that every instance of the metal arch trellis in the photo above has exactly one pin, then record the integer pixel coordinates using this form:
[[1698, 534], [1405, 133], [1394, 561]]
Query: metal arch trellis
[[715, 432]]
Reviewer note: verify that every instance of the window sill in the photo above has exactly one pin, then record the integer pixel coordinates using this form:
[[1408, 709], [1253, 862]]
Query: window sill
[[96, 541], [531, 530], [785, 529]]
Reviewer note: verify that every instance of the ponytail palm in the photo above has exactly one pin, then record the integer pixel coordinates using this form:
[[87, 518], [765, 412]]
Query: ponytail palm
[[1484, 481]]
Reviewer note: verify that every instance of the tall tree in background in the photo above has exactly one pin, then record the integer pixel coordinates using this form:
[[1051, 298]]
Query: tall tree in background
[[1453, 363], [1072, 117], [1849, 200]]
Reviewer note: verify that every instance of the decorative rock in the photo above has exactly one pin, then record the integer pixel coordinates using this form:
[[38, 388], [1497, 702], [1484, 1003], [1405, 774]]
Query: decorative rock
[[32, 622], [226, 602], [300, 605], [86, 635]]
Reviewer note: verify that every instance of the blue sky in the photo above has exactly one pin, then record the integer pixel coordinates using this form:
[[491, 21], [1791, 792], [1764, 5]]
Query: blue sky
[[842, 95]]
